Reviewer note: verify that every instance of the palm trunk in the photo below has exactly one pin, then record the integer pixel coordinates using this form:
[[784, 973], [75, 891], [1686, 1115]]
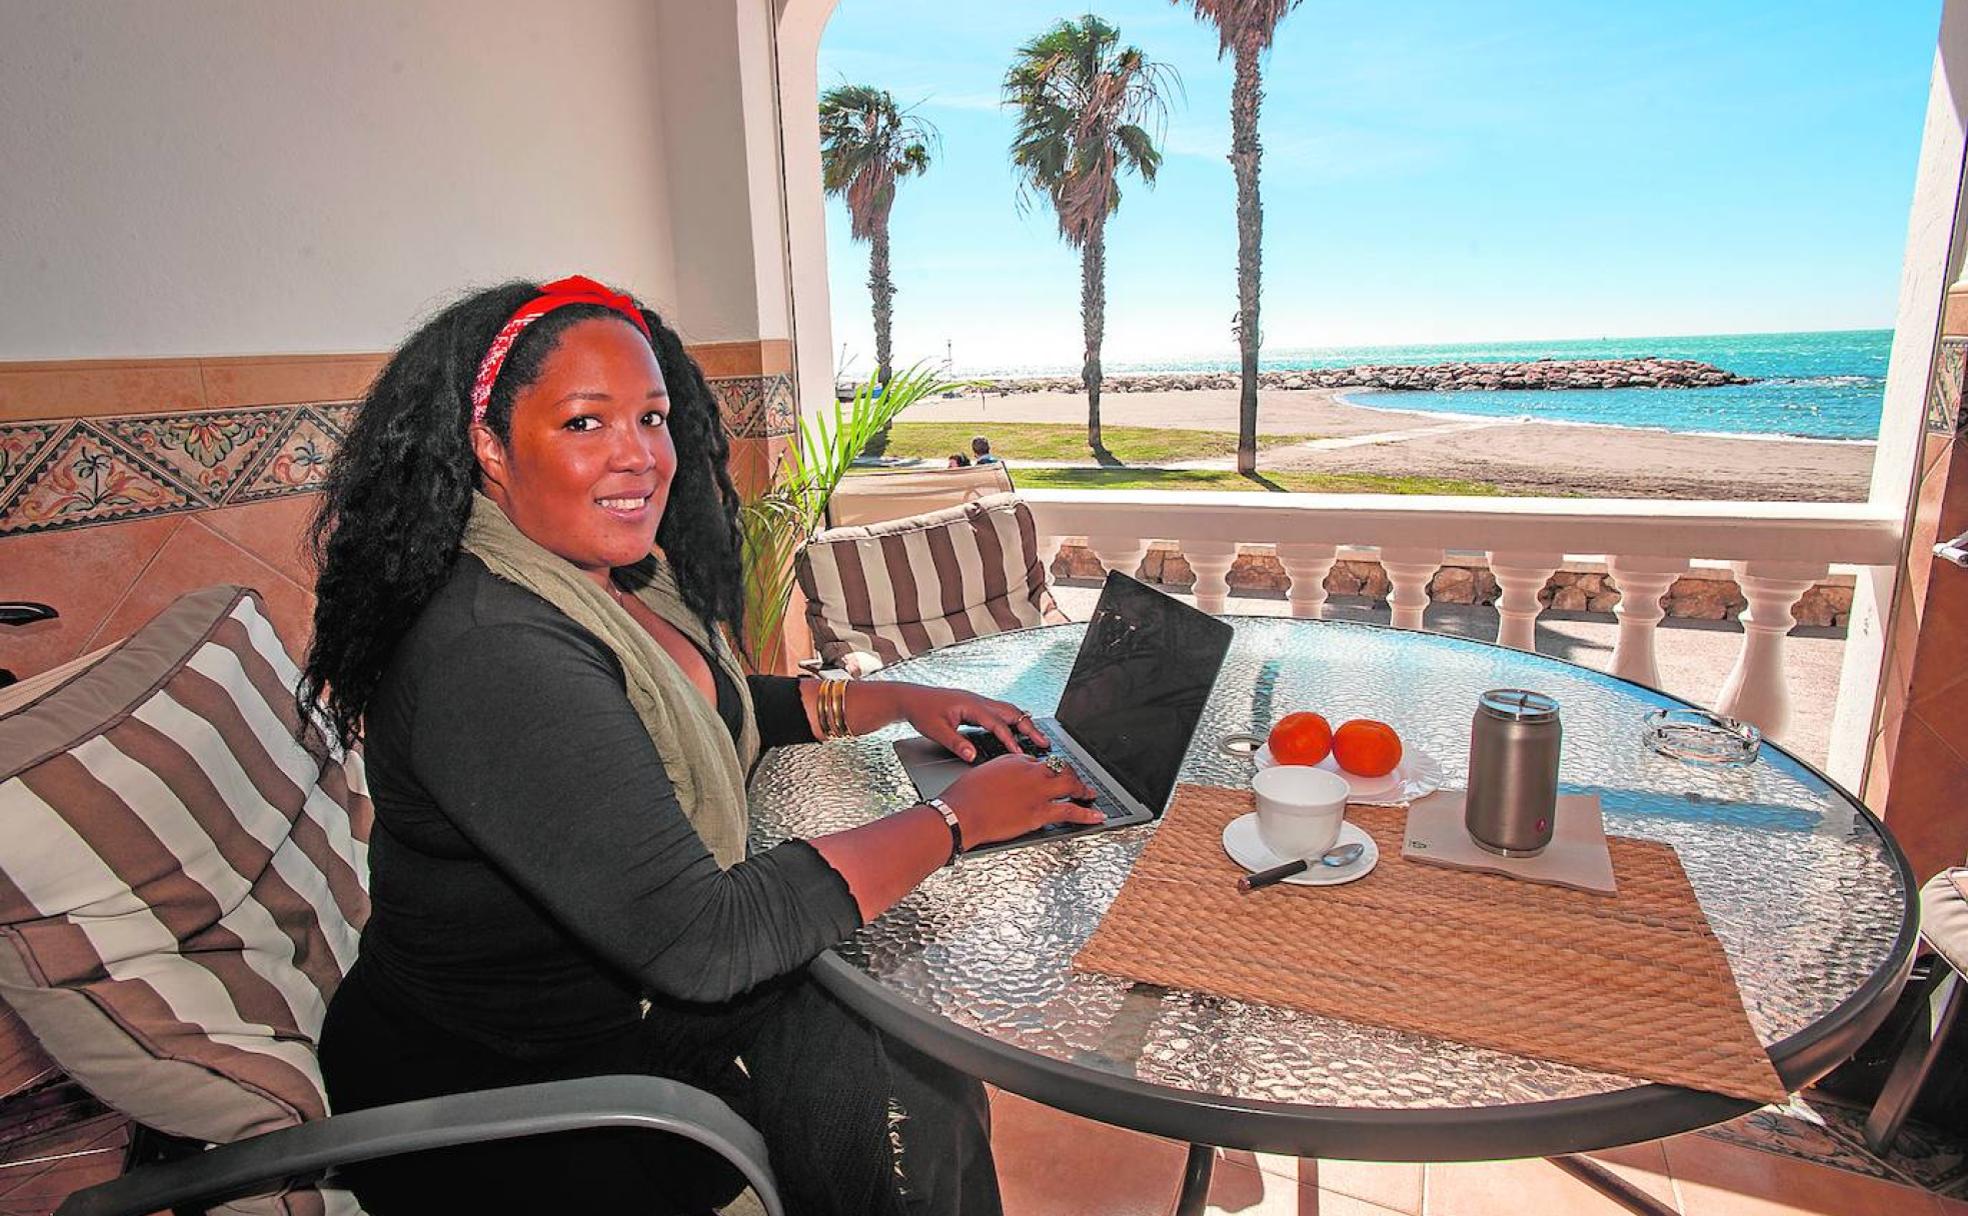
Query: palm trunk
[[1093, 315], [883, 290], [1246, 94]]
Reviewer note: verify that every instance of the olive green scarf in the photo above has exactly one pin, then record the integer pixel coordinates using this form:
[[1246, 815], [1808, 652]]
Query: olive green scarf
[[707, 771]]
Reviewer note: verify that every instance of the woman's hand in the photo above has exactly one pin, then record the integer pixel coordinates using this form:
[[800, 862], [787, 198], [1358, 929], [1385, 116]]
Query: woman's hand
[[936, 713], [1016, 794]]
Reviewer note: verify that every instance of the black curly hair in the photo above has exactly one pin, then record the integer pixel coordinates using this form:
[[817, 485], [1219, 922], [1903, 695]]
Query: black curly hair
[[399, 490]]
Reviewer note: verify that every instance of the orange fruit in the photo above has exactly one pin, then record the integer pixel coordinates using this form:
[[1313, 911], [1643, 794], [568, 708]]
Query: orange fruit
[[1301, 738], [1365, 747]]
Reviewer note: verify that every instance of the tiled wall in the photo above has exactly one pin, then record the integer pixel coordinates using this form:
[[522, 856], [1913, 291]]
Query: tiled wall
[[1918, 775], [123, 485]]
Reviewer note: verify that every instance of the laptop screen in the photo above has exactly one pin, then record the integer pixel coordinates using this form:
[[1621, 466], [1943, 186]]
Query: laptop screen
[[1143, 676]]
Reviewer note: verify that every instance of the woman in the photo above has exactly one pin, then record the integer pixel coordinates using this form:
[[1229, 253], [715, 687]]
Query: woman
[[557, 737]]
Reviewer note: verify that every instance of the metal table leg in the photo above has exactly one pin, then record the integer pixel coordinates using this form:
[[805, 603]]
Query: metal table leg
[[1194, 1195], [1612, 1186], [1940, 1006]]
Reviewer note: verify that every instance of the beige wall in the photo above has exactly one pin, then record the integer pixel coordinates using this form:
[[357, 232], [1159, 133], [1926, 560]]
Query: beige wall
[[209, 177]]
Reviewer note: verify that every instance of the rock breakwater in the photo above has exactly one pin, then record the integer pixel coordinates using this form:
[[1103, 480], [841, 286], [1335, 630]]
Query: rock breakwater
[[1435, 377]]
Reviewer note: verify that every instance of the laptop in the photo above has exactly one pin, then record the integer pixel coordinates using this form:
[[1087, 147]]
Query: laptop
[[1137, 692]]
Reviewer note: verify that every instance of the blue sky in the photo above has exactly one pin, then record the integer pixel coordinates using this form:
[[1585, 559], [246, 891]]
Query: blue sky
[[1434, 171]]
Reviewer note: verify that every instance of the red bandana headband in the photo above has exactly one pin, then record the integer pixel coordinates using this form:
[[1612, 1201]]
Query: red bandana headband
[[577, 289]]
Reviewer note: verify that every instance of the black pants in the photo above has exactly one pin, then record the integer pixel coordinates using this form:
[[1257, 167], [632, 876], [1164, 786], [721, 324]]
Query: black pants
[[856, 1123]]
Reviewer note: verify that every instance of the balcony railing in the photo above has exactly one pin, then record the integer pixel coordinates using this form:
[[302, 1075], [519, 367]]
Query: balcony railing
[[1777, 550]]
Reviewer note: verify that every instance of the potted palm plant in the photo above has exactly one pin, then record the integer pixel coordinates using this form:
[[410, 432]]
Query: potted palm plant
[[777, 521]]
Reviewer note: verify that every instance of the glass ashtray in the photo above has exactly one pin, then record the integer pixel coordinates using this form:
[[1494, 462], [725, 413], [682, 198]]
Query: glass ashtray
[[1700, 736]]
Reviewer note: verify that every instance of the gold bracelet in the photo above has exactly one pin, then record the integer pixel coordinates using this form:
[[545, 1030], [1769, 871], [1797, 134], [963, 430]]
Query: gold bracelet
[[841, 729], [827, 709], [823, 709], [833, 709]]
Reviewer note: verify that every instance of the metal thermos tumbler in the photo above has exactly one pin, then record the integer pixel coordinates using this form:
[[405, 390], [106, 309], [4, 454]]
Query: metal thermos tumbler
[[1513, 772]]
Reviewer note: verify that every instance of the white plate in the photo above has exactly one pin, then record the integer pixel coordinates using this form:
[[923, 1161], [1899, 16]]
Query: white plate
[[1418, 773], [1247, 849]]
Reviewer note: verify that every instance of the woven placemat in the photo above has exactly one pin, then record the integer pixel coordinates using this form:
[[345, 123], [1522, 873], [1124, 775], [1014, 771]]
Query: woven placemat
[[1634, 984]]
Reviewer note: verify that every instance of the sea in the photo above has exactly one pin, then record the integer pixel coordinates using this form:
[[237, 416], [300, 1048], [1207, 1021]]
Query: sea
[[1827, 385]]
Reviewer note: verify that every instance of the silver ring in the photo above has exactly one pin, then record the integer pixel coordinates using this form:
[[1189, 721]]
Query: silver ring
[[1056, 763]]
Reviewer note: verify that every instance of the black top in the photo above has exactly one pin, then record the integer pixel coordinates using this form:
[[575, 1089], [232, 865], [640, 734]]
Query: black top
[[532, 876]]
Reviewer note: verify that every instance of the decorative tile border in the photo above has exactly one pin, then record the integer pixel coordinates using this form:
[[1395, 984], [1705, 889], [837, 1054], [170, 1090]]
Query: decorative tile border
[[212, 452], [104, 441], [756, 407], [65, 474], [21, 446], [1944, 416]]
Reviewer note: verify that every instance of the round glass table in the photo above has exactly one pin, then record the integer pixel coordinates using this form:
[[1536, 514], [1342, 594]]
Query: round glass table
[[1807, 894]]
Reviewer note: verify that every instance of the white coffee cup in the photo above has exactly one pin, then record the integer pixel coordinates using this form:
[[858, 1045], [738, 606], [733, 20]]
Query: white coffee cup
[[1299, 809]]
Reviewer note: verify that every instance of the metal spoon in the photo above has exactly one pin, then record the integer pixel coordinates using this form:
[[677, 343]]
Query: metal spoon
[[1344, 855]]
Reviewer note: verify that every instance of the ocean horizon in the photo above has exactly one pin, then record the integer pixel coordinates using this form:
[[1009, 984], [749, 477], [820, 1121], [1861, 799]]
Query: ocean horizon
[[1811, 385]]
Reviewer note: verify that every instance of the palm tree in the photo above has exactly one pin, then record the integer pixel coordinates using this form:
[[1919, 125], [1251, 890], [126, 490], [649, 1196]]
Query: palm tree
[[1084, 103], [1245, 27], [867, 145]]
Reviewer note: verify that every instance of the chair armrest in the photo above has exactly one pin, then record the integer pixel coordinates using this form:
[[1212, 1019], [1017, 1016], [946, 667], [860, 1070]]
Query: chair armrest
[[303, 1153], [25, 612]]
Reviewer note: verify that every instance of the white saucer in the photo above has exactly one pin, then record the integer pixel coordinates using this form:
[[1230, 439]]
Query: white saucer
[[1418, 773], [1247, 849]]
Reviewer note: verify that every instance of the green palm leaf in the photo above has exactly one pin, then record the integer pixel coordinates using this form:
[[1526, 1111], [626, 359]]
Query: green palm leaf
[[776, 522], [1084, 106], [867, 144]]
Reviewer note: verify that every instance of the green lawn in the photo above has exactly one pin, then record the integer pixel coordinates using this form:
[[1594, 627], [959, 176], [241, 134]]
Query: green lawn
[[1066, 441], [1224, 479]]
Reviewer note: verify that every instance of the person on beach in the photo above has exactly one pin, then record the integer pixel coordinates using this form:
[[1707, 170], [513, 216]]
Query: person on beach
[[529, 562], [980, 447], [959, 461]]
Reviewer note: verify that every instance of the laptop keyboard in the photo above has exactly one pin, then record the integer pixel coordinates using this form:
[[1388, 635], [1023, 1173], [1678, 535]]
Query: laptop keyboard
[[1106, 800]]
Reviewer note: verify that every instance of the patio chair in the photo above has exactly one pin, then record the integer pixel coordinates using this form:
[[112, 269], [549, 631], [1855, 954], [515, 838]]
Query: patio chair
[[872, 498], [1943, 926], [22, 613], [882, 592], [181, 892]]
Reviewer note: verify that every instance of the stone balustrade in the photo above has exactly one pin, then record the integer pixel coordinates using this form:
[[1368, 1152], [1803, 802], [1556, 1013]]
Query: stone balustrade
[[1706, 592], [1712, 559]]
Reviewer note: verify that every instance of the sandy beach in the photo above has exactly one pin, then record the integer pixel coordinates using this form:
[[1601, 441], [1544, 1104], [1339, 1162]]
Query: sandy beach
[[1530, 458]]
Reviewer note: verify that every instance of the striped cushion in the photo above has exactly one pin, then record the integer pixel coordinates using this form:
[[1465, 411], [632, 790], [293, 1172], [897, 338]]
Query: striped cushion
[[907, 586], [183, 880]]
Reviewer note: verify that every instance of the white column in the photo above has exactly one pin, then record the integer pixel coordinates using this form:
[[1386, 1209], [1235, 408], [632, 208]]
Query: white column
[[1049, 547], [1409, 571], [1307, 565], [1521, 576], [1123, 553], [1758, 690], [801, 23], [1641, 582], [1211, 560]]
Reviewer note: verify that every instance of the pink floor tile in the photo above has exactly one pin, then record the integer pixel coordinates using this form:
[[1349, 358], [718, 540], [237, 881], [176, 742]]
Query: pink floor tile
[[1718, 1179], [1512, 1188]]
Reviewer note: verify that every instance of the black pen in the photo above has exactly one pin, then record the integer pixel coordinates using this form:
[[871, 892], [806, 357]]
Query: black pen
[[1264, 878]]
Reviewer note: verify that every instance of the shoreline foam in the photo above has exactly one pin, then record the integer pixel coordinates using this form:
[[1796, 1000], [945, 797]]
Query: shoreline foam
[[1343, 396]]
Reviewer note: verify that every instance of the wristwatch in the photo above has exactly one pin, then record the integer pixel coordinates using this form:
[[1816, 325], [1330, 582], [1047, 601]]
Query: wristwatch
[[956, 829]]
